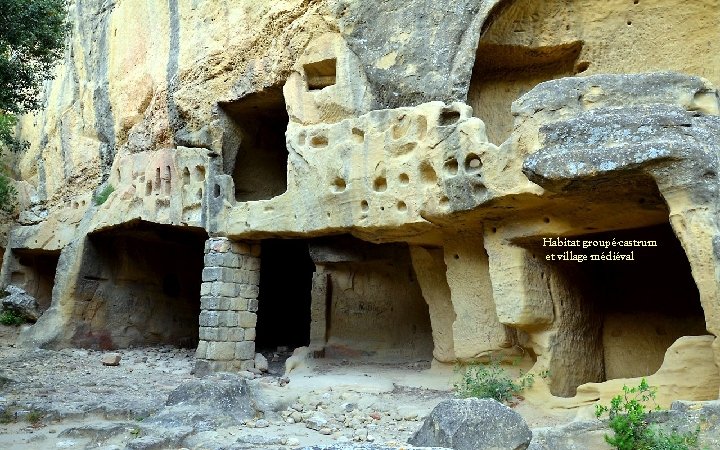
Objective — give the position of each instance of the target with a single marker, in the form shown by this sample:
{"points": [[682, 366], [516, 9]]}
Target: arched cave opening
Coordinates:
{"points": [[140, 285], [259, 151], [622, 315], [344, 298], [34, 271]]}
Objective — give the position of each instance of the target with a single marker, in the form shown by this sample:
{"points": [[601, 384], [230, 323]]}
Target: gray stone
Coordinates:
{"points": [[223, 393], [316, 422], [473, 424], [21, 303], [262, 423], [261, 363], [112, 359]]}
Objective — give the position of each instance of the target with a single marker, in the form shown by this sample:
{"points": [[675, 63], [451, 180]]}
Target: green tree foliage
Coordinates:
{"points": [[32, 33]]}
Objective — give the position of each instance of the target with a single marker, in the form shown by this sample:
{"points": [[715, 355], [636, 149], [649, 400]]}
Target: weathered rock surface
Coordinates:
{"points": [[208, 403], [473, 424], [21, 303]]}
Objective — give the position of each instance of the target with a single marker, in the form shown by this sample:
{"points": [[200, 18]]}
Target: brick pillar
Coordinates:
{"points": [[228, 304]]}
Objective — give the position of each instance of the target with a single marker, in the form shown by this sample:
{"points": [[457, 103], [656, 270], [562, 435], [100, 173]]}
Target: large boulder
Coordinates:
{"points": [[208, 403], [473, 424], [22, 303]]}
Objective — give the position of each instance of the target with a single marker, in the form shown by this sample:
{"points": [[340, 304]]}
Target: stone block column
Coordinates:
{"points": [[228, 304]]}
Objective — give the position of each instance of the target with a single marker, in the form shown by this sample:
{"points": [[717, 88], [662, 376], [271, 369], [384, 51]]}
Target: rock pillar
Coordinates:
{"points": [[228, 304]]}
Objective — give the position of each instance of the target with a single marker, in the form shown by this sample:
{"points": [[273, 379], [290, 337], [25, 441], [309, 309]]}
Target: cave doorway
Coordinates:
{"points": [[140, 285], [627, 313], [367, 303], [34, 271], [286, 273]]}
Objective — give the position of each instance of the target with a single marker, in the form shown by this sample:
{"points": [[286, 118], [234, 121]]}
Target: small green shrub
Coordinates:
{"points": [[11, 318], [103, 195], [7, 417], [491, 381], [34, 417], [628, 413], [8, 194]]}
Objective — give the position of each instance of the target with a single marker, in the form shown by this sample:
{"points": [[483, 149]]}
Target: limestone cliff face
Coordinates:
{"points": [[141, 75], [145, 75], [468, 131]]}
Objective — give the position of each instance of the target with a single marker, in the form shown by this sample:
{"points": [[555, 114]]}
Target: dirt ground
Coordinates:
{"points": [[67, 399]]}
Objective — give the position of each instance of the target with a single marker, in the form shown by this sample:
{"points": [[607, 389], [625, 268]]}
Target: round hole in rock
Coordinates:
{"points": [[199, 173], [448, 117], [427, 173], [404, 178], [216, 190], [402, 206], [338, 185], [364, 206], [582, 66], [319, 141], [186, 175], [380, 184], [358, 135], [472, 163], [451, 167]]}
